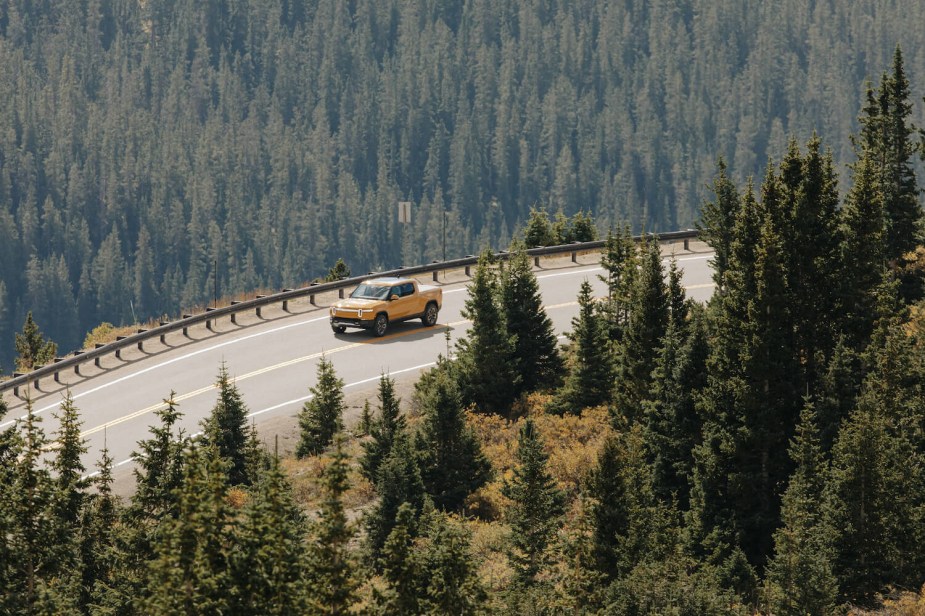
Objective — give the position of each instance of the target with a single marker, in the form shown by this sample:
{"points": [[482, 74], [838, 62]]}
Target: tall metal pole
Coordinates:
{"points": [[444, 245], [215, 283]]}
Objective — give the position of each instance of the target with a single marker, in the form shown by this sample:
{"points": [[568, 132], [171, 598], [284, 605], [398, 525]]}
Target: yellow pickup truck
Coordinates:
{"points": [[380, 301]]}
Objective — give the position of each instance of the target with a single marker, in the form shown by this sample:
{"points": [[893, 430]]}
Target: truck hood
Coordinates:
{"points": [[355, 303]]}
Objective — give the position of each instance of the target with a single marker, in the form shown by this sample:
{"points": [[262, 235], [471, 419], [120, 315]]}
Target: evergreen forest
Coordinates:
{"points": [[154, 153], [763, 453]]}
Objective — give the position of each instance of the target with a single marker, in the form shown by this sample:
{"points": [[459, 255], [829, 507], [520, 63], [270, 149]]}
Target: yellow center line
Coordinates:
{"points": [[298, 360], [249, 375]]}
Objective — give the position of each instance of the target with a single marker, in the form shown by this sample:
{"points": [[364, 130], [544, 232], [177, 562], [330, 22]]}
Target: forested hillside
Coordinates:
{"points": [[150, 147]]}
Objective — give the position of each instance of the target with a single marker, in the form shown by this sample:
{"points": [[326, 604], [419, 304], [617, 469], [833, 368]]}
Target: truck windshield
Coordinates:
{"points": [[370, 291]]}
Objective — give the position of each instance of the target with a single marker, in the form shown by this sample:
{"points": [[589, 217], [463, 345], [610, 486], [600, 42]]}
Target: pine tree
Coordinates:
{"points": [[536, 509], [582, 582], [366, 420], [801, 571], [875, 500], [340, 271], [590, 378], [678, 306], [226, 429], [99, 528], [400, 568], [256, 458], [642, 338], [67, 466], [385, 430], [534, 349], [448, 569], [191, 571], [159, 470], [488, 378], [805, 218], [33, 531], [866, 476], [69, 493], [331, 576], [750, 403], [322, 416], [620, 259], [629, 524], [862, 253], [451, 459], [33, 349], [608, 508], [269, 567], [582, 227], [672, 423], [10, 448], [717, 221], [538, 231], [398, 481], [838, 391], [895, 150]]}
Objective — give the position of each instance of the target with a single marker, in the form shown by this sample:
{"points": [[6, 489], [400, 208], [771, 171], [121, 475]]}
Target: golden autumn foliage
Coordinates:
{"points": [[572, 442]]}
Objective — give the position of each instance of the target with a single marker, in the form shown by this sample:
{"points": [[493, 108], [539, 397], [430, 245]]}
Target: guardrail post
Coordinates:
{"points": [[234, 317], [209, 321], [259, 315], [311, 298], [536, 261], [286, 301], [574, 256], [96, 361], [340, 293], [687, 244], [35, 385], [119, 351], [16, 392]]}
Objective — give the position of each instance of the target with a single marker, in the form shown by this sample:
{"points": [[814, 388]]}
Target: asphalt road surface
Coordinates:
{"points": [[273, 359]]}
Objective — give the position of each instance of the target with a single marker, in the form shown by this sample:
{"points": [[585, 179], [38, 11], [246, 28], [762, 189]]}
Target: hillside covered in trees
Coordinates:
{"points": [[760, 454], [149, 148]]}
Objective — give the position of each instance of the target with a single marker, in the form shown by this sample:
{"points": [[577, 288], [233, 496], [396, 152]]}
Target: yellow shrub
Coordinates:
{"points": [[101, 334], [906, 604], [572, 442], [237, 497]]}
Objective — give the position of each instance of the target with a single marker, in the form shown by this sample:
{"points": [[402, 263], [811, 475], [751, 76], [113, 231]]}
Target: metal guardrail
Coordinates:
{"points": [[211, 314]]}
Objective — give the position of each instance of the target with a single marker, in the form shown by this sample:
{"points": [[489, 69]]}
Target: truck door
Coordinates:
{"points": [[404, 306]]}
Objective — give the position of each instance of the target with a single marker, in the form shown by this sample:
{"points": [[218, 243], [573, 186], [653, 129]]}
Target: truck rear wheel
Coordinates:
{"points": [[381, 325], [430, 315]]}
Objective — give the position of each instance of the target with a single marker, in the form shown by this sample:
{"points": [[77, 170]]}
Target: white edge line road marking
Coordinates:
{"points": [[573, 272], [296, 401]]}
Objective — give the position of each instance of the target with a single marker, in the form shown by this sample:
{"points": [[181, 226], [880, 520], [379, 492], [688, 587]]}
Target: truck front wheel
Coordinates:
{"points": [[430, 315], [381, 325]]}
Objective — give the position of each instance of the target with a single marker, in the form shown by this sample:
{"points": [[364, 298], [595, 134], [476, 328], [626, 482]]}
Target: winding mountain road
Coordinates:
{"points": [[273, 359]]}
